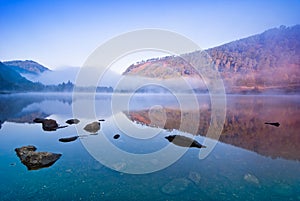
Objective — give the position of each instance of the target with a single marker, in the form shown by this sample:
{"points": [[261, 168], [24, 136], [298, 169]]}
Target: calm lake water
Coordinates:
{"points": [[251, 160]]}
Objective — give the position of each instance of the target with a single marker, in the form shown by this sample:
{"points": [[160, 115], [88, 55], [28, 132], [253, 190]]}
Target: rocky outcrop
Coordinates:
{"points": [[35, 160]]}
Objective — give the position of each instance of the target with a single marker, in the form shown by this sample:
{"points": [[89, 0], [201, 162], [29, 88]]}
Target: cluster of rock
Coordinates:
{"points": [[35, 160]]}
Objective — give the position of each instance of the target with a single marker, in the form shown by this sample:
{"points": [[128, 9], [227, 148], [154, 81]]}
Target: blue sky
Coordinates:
{"points": [[60, 33]]}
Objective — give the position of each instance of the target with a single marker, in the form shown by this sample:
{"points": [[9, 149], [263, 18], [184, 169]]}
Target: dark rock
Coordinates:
{"points": [[35, 160], [72, 121], [116, 136], [101, 120], [184, 141], [68, 139], [38, 120], [277, 124], [49, 125], [92, 127]]}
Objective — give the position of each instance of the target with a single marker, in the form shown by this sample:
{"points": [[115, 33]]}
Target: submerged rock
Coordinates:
{"points": [[251, 179], [72, 121], [119, 166], [92, 127], [68, 139], [35, 160], [184, 141], [176, 186], [116, 136], [195, 177]]}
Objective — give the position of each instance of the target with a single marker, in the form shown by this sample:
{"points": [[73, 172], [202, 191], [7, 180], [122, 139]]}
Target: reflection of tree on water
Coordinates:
{"points": [[244, 126], [12, 107]]}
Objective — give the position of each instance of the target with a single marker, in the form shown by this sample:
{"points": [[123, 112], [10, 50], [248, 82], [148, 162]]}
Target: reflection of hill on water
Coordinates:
{"points": [[244, 125], [12, 106]]}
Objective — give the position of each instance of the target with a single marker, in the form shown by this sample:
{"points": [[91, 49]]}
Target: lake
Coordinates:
{"points": [[250, 160]]}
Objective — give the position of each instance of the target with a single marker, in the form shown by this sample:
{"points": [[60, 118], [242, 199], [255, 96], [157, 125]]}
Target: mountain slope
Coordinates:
{"points": [[12, 81], [265, 62], [26, 67]]}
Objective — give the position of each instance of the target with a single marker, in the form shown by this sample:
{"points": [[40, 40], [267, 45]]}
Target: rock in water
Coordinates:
{"points": [[184, 141], [195, 177], [35, 160], [93, 127], [49, 125], [176, 186], [116, 136], [72, 121], [251, 179], [277, 124], [68, 139]]}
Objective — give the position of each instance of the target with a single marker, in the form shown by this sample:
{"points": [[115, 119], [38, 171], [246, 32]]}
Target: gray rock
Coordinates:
{"points": [[93, 127], [176, 186], [35, 160]]}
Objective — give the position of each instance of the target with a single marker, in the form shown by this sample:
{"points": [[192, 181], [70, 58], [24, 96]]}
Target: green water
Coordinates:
{"points": [[77, 175]]}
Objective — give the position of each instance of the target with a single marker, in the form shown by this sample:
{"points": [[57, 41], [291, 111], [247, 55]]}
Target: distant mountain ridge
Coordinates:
{"points": [[26, 67], [12, 81], [269, 61]]}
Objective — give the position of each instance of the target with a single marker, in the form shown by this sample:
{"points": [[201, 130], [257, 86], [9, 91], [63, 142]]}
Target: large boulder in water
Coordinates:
{"points": [[35, 160], [93, 127], [48, 124]]}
